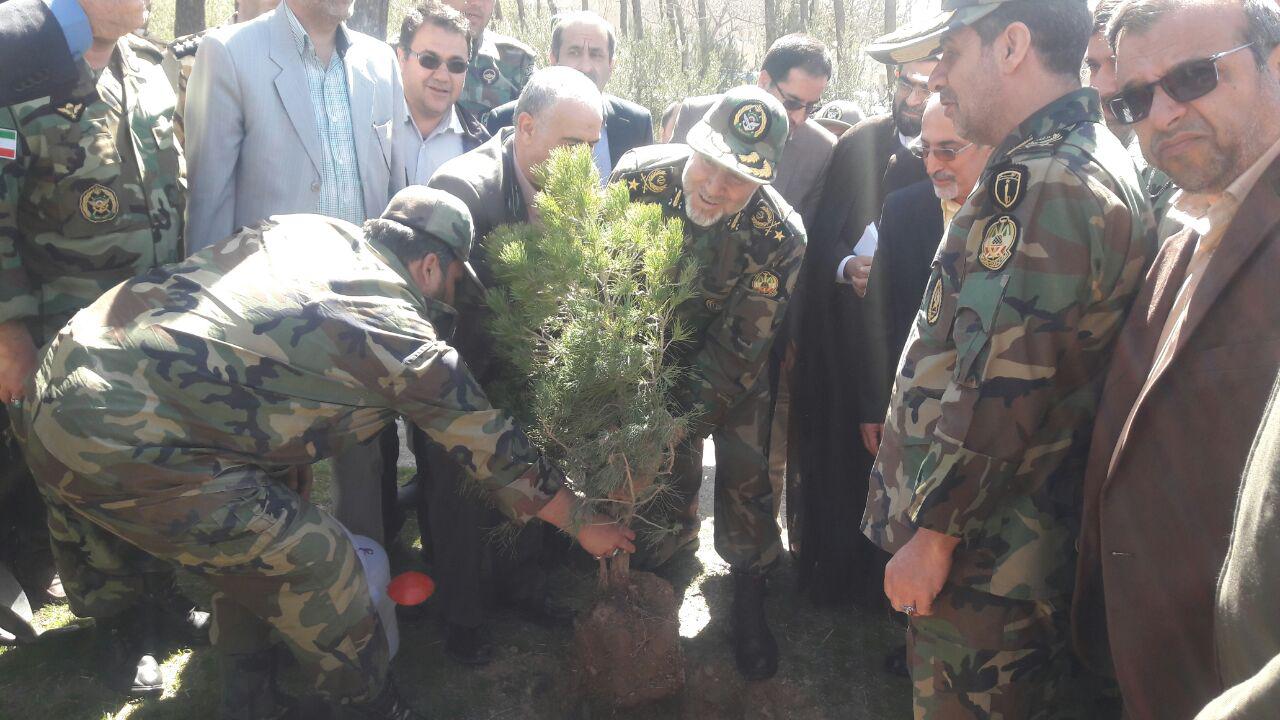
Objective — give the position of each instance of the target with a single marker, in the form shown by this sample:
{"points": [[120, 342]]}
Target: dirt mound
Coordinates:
{"points": [[626, 647]]}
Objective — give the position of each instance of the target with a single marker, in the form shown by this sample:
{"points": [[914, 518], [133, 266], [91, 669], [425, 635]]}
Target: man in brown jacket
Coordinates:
{"points": [[1200, 83]]}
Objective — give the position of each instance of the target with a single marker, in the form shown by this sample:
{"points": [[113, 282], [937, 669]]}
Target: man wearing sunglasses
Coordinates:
{"points": [[974, 489], [1100, 61], [435, 43], [1199, 82]]}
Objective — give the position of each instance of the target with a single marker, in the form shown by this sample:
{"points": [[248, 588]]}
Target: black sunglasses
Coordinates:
{"points": [[944, 154], [1186, 82], [431, 61], [792, 103]]}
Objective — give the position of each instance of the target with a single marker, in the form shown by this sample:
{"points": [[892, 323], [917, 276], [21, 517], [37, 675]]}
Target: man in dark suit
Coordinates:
{"points": [[1196, 358], [796, 70], [558, 107], [586, 42], [911, 225], [41, 41], [870, 161]]}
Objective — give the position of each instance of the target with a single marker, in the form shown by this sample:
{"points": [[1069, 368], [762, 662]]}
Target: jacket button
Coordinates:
{"points": [[315, 186]]}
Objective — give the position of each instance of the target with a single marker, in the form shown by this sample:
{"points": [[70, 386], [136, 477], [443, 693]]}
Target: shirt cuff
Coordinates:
{"points": [[840, 278], [74, 23]]}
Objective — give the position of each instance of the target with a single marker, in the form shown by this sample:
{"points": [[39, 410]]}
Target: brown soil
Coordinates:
{"points": [[626, 647]]}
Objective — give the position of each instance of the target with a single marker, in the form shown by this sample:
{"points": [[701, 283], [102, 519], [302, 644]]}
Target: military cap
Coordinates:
{"points": [[924, 39], [838, 116], [745, 132], [438, 214]]}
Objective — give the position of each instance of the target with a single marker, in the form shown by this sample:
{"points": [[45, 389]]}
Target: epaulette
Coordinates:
{"points": [[768, 219], [651, 183], [512, 50], [187, 45], [146, 47]]}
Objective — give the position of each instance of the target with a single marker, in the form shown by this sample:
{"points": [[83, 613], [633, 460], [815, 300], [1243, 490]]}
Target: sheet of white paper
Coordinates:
{"points": [[867, 244]]}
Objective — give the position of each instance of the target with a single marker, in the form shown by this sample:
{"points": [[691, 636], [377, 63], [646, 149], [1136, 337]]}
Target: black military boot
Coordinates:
{"points": [[249, 687], [388, 705], [132, 644], [754, 648]]}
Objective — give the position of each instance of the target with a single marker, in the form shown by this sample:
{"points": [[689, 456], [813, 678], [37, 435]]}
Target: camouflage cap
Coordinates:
{"points": [[924, 39], [745, 132], [438, 214], [838, 116]]}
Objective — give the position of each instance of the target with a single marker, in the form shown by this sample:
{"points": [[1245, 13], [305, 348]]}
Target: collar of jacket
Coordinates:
{"points": [[1060, 116], [442, 316]]}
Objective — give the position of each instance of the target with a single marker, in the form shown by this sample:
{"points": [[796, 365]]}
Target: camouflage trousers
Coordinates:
{"points": [[747, 494], [276, 561], [985, 657]]}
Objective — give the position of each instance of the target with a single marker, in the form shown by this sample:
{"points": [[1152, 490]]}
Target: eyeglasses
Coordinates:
{"points": [[1186, 82], [944, 154], [431, 61], [792, 103], [912, 86]]}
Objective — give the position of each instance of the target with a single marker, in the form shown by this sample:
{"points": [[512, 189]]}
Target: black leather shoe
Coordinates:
{"points": [[544, 612], [388, 705], [754, 647], [468, 645], [131, 647]]}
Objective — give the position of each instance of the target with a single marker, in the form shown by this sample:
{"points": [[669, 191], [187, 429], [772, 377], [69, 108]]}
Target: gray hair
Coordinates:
{"points": [[550, 86], [580, 17], [1262, 21]]}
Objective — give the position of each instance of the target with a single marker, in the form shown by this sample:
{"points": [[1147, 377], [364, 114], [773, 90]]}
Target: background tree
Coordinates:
{"points": [[188, 17], [370, 17]]}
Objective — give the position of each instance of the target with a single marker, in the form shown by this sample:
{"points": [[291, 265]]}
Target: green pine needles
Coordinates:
{"points": [[585, 313]]}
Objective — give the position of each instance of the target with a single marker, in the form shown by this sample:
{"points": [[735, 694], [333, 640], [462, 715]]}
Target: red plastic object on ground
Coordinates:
{"points": [[411, 588]]}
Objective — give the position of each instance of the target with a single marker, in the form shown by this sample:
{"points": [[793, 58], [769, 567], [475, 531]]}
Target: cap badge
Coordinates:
{"points": [[751, 121]]}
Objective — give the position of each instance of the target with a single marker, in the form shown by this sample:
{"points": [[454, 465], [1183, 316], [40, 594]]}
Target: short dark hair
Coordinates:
{"points": [[406, 244], [439, 15], [797, 50], [571, 17], [1060, 30], [1102, 14], [1262, 22]]}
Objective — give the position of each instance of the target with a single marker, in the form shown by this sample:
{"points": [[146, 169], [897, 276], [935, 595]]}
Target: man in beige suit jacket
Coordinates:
{"points": [[1198, 353]]}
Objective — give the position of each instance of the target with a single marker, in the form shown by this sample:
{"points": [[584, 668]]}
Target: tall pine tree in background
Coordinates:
{"points": [[585, 317]]}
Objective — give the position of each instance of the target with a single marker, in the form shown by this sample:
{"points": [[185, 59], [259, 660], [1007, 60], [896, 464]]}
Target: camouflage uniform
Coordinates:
{"points": [[167, 412], [498, 72], [94, 194], [749, 262], [991, 412]]}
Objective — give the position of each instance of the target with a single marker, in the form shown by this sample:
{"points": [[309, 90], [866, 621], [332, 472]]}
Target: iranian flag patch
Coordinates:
{"points": [[8, 144]]}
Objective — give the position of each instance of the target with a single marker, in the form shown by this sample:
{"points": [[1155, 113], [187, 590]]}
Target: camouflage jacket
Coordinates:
{"points": [[750, 263], [996, 392], [92, 191], [281, 345], [498, 72]]}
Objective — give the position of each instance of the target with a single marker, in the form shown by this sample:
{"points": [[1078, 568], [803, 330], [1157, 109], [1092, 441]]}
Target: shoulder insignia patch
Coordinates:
{"points": [[714, 305], [832, 113], [99, 204], [766, 283], [656, 182], [1008, 185], [489, 76], [71, 110], [998, 242], [933, 310], [764, 218]]}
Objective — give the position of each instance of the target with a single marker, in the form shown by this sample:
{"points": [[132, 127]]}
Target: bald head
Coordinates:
{"points": [[559, 107]]}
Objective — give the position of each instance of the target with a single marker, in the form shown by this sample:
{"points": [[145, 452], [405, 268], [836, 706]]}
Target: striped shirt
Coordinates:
{"points": [[341, 194]]}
